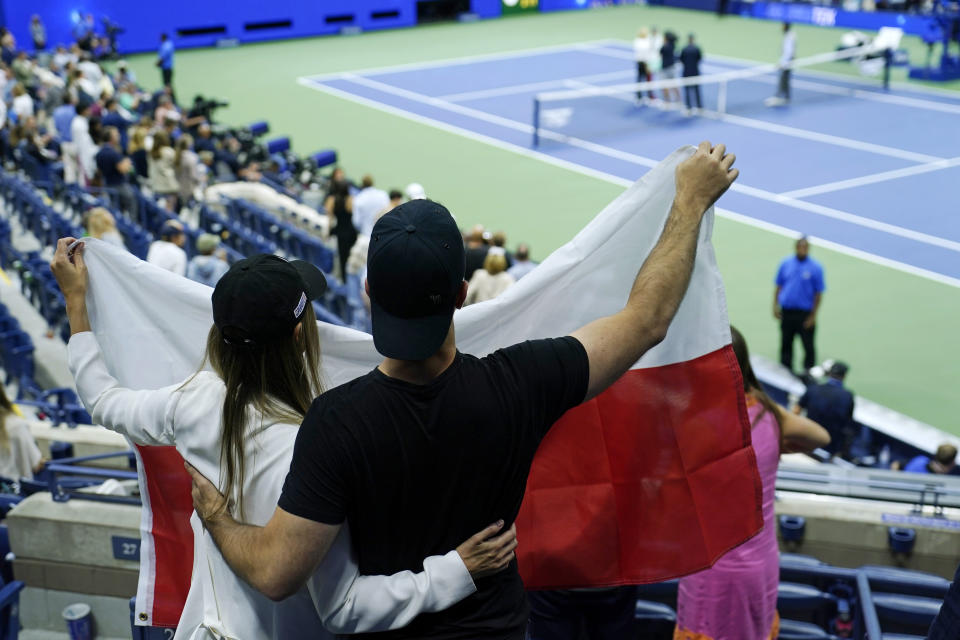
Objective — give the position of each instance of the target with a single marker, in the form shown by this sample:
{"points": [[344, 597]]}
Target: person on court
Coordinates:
{"points": [[433, 440]]}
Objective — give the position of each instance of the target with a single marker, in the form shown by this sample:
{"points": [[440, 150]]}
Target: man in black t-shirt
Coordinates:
{"points": [[434, 442], [114, 168]]}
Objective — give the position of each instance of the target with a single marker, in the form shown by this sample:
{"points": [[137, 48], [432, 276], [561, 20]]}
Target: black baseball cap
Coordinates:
{"points": [[415, 267], [262, 298], [839, 369]]}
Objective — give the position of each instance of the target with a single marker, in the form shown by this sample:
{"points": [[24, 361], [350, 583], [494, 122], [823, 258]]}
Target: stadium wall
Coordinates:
{"points": [[203, 24]]}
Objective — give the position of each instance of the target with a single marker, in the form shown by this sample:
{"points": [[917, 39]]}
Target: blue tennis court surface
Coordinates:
{"points": [[873, 173]]}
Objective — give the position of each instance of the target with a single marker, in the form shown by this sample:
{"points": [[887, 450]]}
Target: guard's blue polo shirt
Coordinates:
{"points": [[800, 282], [166, 55]]}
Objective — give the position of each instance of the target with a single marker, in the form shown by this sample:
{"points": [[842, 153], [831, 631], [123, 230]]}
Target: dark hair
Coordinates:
{"points": [[750, 383], [278, 379], [523, 252], [106, 134], [946, 454], [395, 194]]}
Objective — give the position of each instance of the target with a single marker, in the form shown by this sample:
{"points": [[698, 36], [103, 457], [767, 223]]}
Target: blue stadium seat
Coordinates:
{"points": [[259, 127], [801, 601], [278, 145], [906, 614], [906, 582], [10, 610], [665, 592], [901, 636], [649, 612], [796, 630]]}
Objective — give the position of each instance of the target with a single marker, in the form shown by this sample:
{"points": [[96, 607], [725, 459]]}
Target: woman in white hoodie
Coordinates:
{"points": [[237, 425]]}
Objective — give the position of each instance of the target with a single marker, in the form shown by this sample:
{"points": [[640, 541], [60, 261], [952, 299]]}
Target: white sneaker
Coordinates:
{"points": [[774, 101]]}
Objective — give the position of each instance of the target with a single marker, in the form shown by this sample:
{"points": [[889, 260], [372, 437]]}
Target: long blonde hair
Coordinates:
{"points": [[6, 410], [278, 380], [99, 222]]}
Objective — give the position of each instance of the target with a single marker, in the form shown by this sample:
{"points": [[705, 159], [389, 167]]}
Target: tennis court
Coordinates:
{"points": [[865, 171]]}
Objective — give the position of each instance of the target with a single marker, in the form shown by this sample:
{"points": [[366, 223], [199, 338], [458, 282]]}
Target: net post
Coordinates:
{"points": [[536, 121], [722, 97]]}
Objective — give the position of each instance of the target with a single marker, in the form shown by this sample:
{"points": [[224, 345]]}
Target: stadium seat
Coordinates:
{"points": [[806, 602], [278, 145], [259, 127], [906, 582], [796, 630], [10, 609], [900, 636], [665, 592], [905, 614], [655, 620], [799, 560]]}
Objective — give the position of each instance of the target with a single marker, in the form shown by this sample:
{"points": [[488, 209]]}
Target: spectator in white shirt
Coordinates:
{"points": [[86, 149], [22, 102], [19, 455], [522, 265], [491, 281], [787, 54], [167, 252], [367, 204]]}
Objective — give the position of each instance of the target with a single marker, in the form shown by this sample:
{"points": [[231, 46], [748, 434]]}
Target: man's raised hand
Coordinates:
{"points": [[703, 177]]}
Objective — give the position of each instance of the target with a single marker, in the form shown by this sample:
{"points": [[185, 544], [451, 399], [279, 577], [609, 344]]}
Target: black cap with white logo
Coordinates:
{"points": [[415, 268], [262, 298]]}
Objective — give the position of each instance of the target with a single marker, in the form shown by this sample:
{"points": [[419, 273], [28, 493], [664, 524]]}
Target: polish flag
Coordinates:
{"points": [[653, 479]]}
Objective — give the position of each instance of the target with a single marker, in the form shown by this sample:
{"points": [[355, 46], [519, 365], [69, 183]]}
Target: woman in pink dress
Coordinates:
{"points": [[736, 599]]}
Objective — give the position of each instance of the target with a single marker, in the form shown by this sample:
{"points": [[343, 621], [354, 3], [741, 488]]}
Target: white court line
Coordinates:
{"points": [[532, 86], [762, 194], [616, 180], [873, 178], [876, 96], [450, 62]]}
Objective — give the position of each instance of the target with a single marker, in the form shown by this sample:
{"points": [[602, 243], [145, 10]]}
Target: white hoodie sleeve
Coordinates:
{"points": [[350, 603], [146, 417]]}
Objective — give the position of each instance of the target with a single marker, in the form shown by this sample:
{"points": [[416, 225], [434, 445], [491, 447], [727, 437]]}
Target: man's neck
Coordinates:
{"points": [[422, 372]]}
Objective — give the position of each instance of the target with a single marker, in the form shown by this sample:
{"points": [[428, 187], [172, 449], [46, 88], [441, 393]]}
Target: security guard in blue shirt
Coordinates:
{"points": [[799, 290]]}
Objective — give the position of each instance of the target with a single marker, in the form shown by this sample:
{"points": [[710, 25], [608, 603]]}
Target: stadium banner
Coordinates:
{"points": [[653, 479]]}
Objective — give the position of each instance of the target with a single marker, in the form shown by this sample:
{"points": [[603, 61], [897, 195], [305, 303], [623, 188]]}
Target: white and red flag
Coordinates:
{"points": [[653, 479]]}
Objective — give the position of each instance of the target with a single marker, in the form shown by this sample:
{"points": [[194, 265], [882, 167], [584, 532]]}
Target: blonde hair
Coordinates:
{"points": [[99, 222], [494, 263], [643, 32], [138, 139]]}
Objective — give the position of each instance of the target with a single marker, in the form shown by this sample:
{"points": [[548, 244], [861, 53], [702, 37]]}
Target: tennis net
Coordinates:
{"points": [[593, 109]]}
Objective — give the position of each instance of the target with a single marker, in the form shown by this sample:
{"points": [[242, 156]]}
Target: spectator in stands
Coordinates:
{"points": [[644, 52], [8, 48], [84, 32], [190, 173], [205, 140], [831, 405], [101, 225], [476, 251], [800, 288], [339, 208], [165, 61], [737, 597], [415, 191], [20, 456], [209, 265], [161, 170], [138, 152], [432, 430], [114, 116], [522, 265], [787, 54], [124, 74], [491, 281], [114, 168], [22, 68], [63, 117], [499, 241], [367, 204], [167, 252], [396, 199], [83, 144], [22, 102], [238, 424], [943, 462], [690, 57], [38, 33]]}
